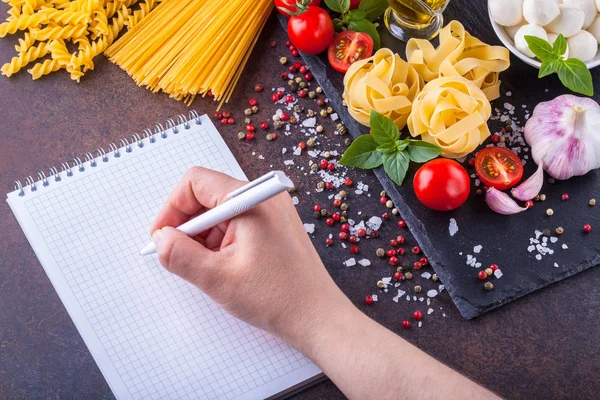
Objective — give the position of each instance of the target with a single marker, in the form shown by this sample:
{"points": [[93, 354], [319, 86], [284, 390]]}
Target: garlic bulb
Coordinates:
{"points": [[564, 136]]}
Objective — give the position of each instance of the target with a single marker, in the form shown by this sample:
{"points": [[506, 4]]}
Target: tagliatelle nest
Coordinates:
{"points": [[452, 113], [384, 83], [460, 54]]}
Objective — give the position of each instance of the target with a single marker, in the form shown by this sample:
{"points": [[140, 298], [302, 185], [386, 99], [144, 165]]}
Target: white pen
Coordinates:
{"points": [[240, 201]]}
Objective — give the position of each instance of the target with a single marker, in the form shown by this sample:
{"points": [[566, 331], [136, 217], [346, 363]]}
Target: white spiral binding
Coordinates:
{"points": [[125, 146]]}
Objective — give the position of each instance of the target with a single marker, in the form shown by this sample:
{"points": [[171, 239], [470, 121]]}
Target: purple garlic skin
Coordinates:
{"points": [[564, 136]]}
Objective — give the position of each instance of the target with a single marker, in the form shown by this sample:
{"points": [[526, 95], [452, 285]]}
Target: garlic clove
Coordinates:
{"points": [[589, 9], [552, 38], [506, 12], [501, 203], [531, 187], [583, 46], [540, 12], [594, 29], [563, 135], [569, 22], [528, 30]]}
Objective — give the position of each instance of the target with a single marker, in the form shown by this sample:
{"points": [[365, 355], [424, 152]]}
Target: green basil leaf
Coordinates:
{"points": [[362, 25], [384, 130], [548, 68], [373, 8], [396, 166], [338, 24], [540, 48], [340, 6], [386, 149], [355, 15], [362, 153], [402, 144], [573, 73], [560, 45], [420, 151]]}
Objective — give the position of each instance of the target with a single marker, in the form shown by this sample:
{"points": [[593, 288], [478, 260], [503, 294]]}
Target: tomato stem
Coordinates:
{"points": [[301, 7]]}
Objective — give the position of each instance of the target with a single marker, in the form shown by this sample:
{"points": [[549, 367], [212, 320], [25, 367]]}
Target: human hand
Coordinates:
{"points": [[260, 267]]}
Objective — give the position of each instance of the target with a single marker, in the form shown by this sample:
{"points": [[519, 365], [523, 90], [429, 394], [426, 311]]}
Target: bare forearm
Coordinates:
{"points": [[365, 360]]}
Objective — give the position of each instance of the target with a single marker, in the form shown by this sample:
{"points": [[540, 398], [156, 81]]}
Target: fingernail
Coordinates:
{"points": [[157, 237]]}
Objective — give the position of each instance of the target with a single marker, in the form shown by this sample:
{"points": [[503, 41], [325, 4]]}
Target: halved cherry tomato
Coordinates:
{"points": [[312, 31], [498, 167], [349, 47], [442, 184], [291, 6]]}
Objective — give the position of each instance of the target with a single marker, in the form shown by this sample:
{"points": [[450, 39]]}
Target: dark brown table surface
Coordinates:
{"points": [[543, 346]]}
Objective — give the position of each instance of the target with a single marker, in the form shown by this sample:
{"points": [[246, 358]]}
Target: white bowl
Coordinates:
{"points": [[508, 42]]}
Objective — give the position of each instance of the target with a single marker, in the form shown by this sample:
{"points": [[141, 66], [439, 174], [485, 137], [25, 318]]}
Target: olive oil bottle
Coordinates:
{"points": [[421, 19]]}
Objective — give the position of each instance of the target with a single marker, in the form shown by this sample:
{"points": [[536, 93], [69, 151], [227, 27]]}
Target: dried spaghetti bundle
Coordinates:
{"points": [[188, 47]]}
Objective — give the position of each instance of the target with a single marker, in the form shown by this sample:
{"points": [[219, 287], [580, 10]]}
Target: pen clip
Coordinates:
{"points": [[252, 184]]}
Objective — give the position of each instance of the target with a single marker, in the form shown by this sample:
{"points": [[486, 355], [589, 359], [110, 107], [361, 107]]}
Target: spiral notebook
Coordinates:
{"points": [[153, 335]]}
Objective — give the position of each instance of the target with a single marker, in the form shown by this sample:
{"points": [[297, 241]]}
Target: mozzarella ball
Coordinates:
{"points": [[506, 12], [569, 22], [594, 29], [540, 12], [528, 30], [583, 46], [511, 30], [589, 10], [552, 38]]}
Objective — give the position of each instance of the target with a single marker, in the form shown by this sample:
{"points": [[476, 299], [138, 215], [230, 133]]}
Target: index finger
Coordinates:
{"points": [[199, 189]]}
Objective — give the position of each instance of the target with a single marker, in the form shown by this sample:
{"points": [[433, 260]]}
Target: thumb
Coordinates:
{"points": [[187, 258]]}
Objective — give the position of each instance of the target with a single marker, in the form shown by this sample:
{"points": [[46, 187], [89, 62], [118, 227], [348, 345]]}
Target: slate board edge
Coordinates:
{"points": [[466, 309]]}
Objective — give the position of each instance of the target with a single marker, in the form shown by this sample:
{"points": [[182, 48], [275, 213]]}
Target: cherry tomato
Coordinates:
{"points": [[498, 167], [354, 4], [347, 48], [312, 31], [290, 5], [442, 184]]}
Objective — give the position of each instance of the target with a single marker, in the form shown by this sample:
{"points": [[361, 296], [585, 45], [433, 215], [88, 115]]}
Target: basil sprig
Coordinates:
{"points": [[573, 73], [360, 19], [384, 147]]}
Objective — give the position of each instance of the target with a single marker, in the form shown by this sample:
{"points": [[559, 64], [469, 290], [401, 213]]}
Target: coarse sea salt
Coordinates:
{"points": [[375, 298], [453, 227], [400, 294], [364, 262], [429, 311], [498, 273], [351, 262], [432, 293], [477, 249], [426, 275], [309, 228], [295, 200]]}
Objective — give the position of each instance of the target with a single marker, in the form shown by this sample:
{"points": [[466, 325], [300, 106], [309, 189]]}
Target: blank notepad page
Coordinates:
{"points": [[153, 335]]}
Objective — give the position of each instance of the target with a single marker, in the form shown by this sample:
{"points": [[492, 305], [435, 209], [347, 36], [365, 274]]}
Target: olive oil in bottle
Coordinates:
{"points": [[422, 19]]}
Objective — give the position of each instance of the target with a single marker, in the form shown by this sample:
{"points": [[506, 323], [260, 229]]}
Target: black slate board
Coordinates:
{"points": [[505, 240]]}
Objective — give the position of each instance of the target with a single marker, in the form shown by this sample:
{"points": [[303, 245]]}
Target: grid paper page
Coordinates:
{"points": [[153, 335]]}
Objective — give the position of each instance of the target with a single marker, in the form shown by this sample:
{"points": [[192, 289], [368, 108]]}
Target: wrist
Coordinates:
{"points": [[329, 315]]}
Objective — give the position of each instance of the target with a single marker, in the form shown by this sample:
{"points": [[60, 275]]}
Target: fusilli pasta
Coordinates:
{"points": [[53, 27]]}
